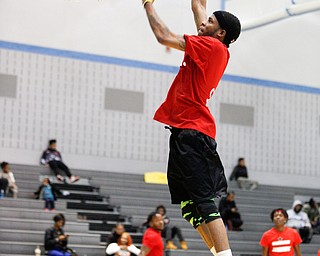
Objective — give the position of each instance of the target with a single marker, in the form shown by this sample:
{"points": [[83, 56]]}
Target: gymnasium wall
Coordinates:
{"points": [[47, 93], [91, 74], [285, 51]]}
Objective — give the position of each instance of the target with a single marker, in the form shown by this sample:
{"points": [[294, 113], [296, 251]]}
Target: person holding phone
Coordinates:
{"points": [[56, 240]]}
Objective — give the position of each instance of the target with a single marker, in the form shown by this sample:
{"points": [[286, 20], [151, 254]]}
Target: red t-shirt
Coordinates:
{"points": [[204, 63], [153, 240], [280, 243]]}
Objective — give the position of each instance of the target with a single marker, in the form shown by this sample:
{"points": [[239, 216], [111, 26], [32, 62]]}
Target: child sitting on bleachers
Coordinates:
{"points": [[48, 192], [7, 174]]}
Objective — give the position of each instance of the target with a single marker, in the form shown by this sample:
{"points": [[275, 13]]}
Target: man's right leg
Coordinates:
{"points": [[63, 167], [206, 236], [212, 231], [253, 184], [217, 232], [55, 168], [242, 182]]}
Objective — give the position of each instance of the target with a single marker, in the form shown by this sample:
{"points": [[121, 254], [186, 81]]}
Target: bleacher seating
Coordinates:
{"points": [[100, 199]]}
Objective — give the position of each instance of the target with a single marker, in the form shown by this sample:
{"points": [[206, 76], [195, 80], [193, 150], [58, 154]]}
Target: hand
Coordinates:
{"points": [[63, 237], [147, 1], [123, 247]]}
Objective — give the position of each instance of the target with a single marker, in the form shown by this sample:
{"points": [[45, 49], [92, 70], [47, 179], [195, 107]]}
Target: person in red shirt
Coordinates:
{"points": [[152, 243], [195, 172], [280, 240]]}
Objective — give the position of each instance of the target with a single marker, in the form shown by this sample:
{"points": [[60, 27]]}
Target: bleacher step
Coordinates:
{"points": [[36, 236], [41, 225], [14, 247]]}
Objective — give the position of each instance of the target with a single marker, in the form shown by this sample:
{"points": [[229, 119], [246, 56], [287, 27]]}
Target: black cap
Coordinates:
{"points": [[230, 24]]}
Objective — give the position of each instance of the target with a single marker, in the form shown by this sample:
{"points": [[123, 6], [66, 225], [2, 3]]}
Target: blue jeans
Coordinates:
{"points": [[58, 253], [49, 204]]}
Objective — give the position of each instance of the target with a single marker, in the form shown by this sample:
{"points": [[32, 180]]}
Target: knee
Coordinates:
{"points": [[175, 229]]}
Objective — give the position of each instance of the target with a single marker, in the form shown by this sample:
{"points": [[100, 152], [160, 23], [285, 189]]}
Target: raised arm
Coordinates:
{"points": [[199, 11], [161, 31]]}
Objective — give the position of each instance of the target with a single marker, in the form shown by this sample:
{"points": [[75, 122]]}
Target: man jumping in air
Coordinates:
{"points": [[195, 172]]}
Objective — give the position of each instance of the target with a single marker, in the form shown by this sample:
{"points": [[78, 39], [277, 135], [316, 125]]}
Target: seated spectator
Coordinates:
{"points": [[229, 212], [299, 220], [312, 210], [52, 157], [240, 174], [169, 232], [280, 240], [123, 247], [55, 241], [7, 174], [115, 234], [3, 186], [48, 192]]}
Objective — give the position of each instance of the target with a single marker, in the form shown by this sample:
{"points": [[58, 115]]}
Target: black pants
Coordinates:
{"points": [[58, 166], [169, 233], [305, 234], [4, 184], [231, 219]]}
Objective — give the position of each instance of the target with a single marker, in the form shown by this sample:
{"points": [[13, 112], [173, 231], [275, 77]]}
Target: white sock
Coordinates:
{"points": [[213, 251], [225, 253]]}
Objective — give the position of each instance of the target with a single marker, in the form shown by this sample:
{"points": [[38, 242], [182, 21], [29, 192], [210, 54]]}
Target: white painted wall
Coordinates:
{"points": [[285, 51], [55, 100], [63, 98]]}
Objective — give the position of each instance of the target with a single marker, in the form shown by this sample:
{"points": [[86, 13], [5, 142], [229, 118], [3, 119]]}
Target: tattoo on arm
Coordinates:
{"points": [[162, 32], [197, 21], [157, 26], [182, 44]]}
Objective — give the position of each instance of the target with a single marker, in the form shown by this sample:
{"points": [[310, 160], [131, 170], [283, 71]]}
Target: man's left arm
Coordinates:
{"points": [[264, 251], [161, 31], [144, 250], [297, 249]]}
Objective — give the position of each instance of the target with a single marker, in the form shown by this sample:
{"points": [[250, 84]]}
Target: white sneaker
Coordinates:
{"points": [[74, 179]]}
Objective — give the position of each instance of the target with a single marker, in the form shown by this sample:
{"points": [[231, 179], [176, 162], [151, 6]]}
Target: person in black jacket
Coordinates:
{"points": [[52, 157], [117, 231], [240, 174], [49, 193], [229, 212], [170, 231], [55, 241]]}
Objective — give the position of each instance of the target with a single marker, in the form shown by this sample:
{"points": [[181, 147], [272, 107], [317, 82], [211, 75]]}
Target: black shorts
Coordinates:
{"points": [[195, 171]]}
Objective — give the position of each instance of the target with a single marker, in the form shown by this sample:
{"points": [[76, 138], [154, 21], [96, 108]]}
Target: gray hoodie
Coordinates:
{"points": [[297, 220]]}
